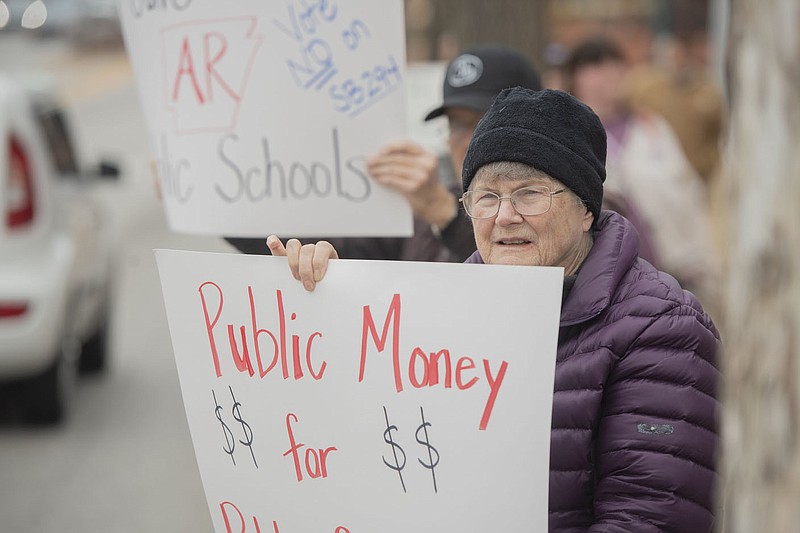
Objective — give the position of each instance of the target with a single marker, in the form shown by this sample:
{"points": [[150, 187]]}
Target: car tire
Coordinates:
{"points": [[94, 351], [49, 395]]}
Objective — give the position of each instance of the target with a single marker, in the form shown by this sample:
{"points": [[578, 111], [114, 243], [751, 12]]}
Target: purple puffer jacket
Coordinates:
{"points": [[635, 429]]}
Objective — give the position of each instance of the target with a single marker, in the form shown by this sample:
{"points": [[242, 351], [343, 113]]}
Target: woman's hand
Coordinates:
{"points": [[308, 262]]}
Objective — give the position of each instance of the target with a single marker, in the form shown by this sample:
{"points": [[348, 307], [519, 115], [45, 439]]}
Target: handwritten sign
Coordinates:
{"points": [[262, 114], [396, 397]]}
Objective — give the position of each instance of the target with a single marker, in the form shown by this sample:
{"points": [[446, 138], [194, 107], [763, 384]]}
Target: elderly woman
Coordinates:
{"points": [[634, 428]]}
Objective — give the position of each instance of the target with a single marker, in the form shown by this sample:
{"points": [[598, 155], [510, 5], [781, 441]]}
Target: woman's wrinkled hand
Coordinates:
{"points": [[308, 262]]}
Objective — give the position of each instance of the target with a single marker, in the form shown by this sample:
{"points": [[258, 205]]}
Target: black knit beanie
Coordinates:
{"points": [[549, 130]]}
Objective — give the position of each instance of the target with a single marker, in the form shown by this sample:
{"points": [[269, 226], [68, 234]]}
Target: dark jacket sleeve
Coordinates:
{"points": [[458, 237], [453, 244], [425, 245], [658, 433], [387, 248]]}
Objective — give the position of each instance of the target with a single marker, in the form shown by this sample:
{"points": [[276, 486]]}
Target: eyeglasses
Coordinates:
{"points": [[527, 201]]}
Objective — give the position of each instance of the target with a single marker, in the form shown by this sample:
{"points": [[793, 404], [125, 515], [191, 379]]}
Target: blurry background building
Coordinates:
{"points": [[672, 46], [436, 29]]}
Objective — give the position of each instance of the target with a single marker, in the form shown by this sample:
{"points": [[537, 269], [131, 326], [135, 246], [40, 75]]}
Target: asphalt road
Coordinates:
{"points": [[124, 460]]}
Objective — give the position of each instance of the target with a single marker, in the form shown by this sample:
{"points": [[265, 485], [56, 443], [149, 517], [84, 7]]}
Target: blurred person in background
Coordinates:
{"points": [[635, 429], [681, 88], [441, 231], [647, 165], [683, 91]]}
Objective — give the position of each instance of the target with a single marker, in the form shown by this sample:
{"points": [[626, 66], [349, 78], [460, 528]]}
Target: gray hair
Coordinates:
{"points": [[520, 171]]}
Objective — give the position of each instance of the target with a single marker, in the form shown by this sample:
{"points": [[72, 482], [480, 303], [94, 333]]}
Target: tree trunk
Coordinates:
{"points": [[761, 323]]}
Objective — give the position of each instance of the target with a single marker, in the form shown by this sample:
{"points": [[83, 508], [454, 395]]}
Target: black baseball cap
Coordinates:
{"points": [[478, 74]]}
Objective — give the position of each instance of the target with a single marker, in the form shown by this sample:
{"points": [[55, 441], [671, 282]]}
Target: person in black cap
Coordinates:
{"points": [[441, 231], [635, 428], [471, 82]]}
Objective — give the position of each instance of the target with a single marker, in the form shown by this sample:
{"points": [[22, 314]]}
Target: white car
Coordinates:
{"points": [[54, 255]]}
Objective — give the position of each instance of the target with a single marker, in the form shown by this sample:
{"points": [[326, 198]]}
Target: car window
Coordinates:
{"points": [[54, 124]]}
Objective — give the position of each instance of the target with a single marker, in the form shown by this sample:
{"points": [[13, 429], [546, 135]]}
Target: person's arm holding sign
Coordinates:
{"points": [[413, 171], [308, 262]]}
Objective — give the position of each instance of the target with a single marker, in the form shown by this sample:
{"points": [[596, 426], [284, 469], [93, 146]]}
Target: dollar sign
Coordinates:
{"points": [[431, 464], [387, 437], [230, 442], [246, 429]]}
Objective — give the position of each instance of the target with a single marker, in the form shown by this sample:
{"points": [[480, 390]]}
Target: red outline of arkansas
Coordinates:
{"points": [[206, 65]]}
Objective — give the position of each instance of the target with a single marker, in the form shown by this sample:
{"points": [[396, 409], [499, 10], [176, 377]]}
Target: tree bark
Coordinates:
{"points": [[761, 395]]}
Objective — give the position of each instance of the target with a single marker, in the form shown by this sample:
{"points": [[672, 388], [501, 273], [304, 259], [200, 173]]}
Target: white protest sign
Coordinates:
{"points": [[262, 113], [396, 397]]}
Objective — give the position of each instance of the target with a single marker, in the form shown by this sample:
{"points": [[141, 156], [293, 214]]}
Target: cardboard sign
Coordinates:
{"points": [[262, 113], [396, 397]]}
